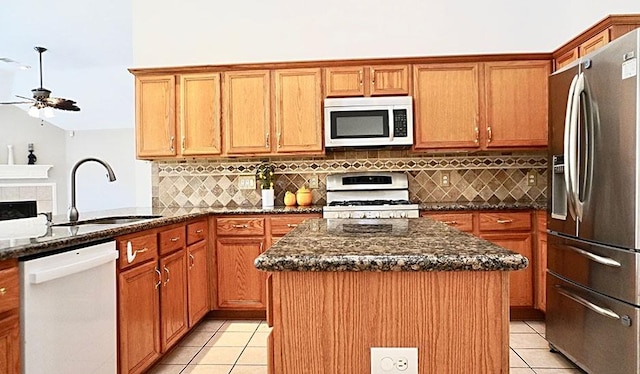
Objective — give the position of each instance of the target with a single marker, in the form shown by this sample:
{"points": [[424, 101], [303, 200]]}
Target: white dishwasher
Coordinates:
{"points": [[68, 311]]}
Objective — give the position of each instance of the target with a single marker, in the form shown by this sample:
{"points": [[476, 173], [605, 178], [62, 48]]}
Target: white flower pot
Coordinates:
{"points": [[267, 198]]}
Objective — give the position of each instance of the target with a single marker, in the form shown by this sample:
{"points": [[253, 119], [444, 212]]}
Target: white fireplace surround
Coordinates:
{"points": [[43, 193]]}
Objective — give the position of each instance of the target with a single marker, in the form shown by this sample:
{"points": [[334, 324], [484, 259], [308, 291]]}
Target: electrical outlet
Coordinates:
{"points": [[247, 182], [445, 179], [394, 360], [313, 181], [532, 178]]}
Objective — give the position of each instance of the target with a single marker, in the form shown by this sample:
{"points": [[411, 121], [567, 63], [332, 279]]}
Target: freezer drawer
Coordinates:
{"points": [[598, 333], [607, 270]]}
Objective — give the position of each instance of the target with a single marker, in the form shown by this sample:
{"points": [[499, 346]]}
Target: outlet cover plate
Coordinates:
{"points": [[313, 181], [394, 360], [532, 178], [445, 179], [247, 182]]}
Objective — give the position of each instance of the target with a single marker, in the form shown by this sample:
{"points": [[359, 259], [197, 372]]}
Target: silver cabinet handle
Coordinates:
{"points": [[174, 239], [131, 254], [261, 246], [168, 274], [595, 258], [292, 225], [477, 134], [171, 143], [360, 76], [373, 76], [605, 312], [266, 143], [454, 223], [193, 261], [200, 231], [278, 140], [489, 134], [240, 226], [504, 221], [159, 278], [183, 140]]}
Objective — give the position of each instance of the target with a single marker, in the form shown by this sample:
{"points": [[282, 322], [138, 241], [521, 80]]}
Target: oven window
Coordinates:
{"points": [[360, 124]]}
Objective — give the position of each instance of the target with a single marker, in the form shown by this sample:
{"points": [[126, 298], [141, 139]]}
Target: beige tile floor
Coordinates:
{"points": [[239, 347]]}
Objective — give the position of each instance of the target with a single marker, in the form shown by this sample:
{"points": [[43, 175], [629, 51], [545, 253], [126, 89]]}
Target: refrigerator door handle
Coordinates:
{"points": [[567, 145], [575, 113], [605, 312], [595, 258]]}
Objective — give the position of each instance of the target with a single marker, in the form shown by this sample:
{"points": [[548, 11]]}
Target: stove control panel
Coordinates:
{"points": [[372, 214]]}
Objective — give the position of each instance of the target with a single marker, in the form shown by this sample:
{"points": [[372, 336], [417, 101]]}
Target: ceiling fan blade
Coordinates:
{"points": [[17, 102], [62, 104], [26, 98]]}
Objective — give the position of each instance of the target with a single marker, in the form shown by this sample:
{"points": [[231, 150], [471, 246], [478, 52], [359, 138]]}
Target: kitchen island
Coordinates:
{"points": [[340, 287]]}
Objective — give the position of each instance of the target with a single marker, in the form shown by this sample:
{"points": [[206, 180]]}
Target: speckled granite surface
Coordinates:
{"points": [[54, 238], [418, 244], [516, 205]]}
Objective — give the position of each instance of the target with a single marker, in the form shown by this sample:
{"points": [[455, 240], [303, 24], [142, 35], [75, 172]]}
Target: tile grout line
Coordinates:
{"points": [[243, 348], [204, 345]]}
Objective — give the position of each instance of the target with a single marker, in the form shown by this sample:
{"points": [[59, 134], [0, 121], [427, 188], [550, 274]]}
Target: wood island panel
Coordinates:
{"points": [[326, 320]]}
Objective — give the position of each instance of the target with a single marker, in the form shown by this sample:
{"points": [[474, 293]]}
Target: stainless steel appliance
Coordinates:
{"points": [[368, 121], [369, 195], [593, 277]]}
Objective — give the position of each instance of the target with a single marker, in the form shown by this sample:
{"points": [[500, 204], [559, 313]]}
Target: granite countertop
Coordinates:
{"points": [[415, 244], [516, 205], [42, 239]]}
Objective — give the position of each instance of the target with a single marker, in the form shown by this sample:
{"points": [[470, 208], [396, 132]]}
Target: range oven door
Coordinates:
{"points": [[597, 332]]}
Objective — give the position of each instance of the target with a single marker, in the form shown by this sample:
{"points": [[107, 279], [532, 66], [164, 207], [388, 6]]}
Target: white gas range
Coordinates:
{"points": [[369, 195]]}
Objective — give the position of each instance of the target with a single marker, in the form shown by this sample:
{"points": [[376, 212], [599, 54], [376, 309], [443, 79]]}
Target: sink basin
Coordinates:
{"points": [[115, 220]]}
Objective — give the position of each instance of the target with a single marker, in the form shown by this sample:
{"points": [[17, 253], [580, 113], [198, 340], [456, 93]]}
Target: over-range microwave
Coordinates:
{"points": [[368, 121]]}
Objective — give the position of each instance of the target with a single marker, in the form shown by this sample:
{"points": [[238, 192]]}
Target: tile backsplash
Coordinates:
{"points": [[489, 177]]}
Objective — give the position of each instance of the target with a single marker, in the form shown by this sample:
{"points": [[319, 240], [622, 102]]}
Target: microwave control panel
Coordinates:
{"points": [[400, 123]]}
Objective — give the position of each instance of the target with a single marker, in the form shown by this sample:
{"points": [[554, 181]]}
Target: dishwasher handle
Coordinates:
{"points": [[45, 275]]}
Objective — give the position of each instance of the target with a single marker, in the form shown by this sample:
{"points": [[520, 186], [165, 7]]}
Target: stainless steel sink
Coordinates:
{"points": [[115, 220]]}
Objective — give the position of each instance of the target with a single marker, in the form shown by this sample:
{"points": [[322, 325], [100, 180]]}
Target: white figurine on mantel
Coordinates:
{"points": [[10, 154]]}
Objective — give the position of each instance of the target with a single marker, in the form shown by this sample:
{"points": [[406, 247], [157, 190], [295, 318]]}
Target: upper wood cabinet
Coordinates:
{"points": [[298, 110], [247, 112], [516, 103], [196, 131], [297, 119], [481, 105], [155, 116], [446, 105], [595, 42], [566, 58], [367, 80]]}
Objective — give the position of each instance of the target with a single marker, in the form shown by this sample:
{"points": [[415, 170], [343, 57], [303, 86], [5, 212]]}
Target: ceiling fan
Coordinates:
{"points": [[42, 100]]}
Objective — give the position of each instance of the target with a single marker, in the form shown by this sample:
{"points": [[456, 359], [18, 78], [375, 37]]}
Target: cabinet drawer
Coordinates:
{"points": [[461, 221], [196, 231], [9, 289], [136, 250], [171, 240], [240, 226], [498, 221], [282, 225]]}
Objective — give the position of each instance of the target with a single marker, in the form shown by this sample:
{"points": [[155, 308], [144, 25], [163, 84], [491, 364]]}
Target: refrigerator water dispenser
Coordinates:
{"points": [[558, 189]]}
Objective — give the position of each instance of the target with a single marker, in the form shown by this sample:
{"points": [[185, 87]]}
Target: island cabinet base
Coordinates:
{"points": [[326, 322]]}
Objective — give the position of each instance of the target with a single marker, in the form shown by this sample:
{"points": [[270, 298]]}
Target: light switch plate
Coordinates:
{"points": [[394, 360]]}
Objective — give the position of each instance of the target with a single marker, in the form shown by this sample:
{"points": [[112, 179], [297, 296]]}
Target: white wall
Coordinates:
{"points": [[203, 32], [117, 148], [18, 129]]}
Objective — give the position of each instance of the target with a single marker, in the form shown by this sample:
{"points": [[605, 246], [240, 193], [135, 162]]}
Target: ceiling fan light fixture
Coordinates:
{"points": [[48, 112], [34, 111]]}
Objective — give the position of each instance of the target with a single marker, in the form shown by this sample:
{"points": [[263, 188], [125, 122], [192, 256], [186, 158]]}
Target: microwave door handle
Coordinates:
{"points": [[573, 148], [567, 141]]}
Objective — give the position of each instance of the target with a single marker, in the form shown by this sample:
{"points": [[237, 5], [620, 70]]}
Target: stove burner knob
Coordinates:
{"points": [[403, 214], [357, 215], [373, 214], [344, 215]]}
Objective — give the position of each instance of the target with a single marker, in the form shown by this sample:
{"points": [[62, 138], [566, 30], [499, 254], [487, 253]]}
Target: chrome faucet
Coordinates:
{"points": [[73, 211]]}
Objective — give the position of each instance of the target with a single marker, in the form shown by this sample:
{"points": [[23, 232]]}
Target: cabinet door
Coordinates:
{"points": [[566, 58], [516, 99], [197, 282], [240, 284], [389, 80], [447, 106], [10, 345], [459, 220], [521, 281], [247, 114], [155, 116], [298, 116], [344, 81], [200, 114], [174, 317], [599, 40], [138, 316]]}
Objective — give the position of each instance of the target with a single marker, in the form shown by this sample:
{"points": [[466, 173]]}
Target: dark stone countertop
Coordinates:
{"points": [[43, 239], [415, 244], [516, 205]]}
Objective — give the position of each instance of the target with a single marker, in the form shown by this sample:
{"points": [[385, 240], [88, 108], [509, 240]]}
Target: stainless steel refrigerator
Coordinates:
{"points": [[593, 279]]}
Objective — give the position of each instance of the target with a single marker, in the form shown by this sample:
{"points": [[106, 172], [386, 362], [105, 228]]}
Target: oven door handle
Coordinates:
{"points": [[605, 312], [595, 258]]}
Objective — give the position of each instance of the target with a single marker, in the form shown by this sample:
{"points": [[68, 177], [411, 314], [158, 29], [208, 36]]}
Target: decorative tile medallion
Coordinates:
{"points": [[490, 178]]}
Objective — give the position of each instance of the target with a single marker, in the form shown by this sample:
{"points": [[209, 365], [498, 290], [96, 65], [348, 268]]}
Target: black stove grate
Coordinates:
{"points": [[369, 202]]}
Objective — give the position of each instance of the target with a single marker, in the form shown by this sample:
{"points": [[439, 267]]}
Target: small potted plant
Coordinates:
{"points": [[265, 176]]}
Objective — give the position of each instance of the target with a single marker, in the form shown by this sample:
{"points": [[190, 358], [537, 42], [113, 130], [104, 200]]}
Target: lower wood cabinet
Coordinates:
{"points": [[9, 318], [197, 281], [174, 316], [240, 285]]}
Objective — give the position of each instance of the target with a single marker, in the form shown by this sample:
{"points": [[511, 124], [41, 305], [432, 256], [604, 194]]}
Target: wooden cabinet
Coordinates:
{"points": [[174, 317], [155, 116], [481, 105], [239, 240], [197, 271], [282, 224], [516, 103], [566, 58], [159, 133], [446, 105], [247, 114], [367, 80], [595, 42], [9, 318], [298, 114], [463, 221]]}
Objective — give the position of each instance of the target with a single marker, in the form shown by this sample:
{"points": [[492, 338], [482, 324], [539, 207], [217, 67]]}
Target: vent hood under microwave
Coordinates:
{"points": [[368, 121]]}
